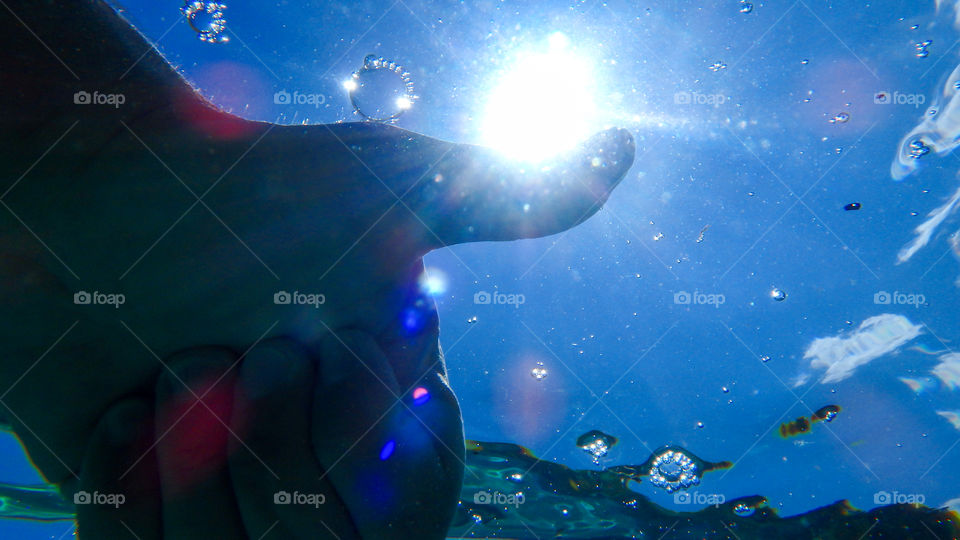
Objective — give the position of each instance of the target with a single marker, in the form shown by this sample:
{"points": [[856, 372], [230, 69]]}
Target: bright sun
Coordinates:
{"points": [[542, 105]]}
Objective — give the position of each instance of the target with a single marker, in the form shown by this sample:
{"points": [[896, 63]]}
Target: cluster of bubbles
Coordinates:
{"points": [[539, 372], [922, 48], [717, 66], [597, 444], [840, 118], [206, 19], [918, 149], [373, 63], [743, 510], [673, 470]]}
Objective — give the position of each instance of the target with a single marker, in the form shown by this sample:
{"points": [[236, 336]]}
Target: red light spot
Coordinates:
{"points": [[420, 395]]}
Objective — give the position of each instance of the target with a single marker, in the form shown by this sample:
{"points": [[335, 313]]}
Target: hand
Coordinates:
{"points": [[199, 218], [242, 461]]}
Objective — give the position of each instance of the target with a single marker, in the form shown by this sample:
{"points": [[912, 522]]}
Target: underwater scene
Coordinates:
{"points": [[745, 322]]}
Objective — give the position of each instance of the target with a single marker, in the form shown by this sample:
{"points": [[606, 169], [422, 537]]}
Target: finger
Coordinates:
{"points": [[437, 410], [281, 489], [478, 195], [380, 458], [198, 499], [420, 369], [119, 489]]}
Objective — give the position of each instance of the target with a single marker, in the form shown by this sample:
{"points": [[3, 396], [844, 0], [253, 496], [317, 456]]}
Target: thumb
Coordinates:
{"points": [[478, 195]]}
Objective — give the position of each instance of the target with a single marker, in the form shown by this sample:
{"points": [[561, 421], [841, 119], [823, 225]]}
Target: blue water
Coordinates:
{"points": [[768, 173]]}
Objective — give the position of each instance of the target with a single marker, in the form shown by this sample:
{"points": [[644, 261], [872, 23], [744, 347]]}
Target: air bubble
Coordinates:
{"points": [[389, 109], [918, 149], [596, 443], [206, 19], [673, 470], [746, 7], [840, 118], [778, 294], [539, 373]]}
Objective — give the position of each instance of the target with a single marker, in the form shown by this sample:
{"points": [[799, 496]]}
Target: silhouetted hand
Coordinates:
{"points": [[173, 468], [205, 223]]}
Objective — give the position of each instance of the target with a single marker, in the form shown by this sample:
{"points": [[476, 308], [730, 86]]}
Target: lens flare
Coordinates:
{"points": [[433, 281], [387, 450], [420, 395]]}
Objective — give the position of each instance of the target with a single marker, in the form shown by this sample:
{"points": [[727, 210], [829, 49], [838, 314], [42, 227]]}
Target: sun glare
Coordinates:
{"points": [[542, 105]]}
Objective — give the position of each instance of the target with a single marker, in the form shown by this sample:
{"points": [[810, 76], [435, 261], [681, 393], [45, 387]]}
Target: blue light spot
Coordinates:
{"points": [[411, 320], [387, 450]]}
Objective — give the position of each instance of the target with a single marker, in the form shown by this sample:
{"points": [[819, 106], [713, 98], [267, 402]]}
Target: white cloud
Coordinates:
{"points": [[952, 416], [919, 385], [800, 380], [875, 337], [956, 10], [926, 229], [948, 370]]}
